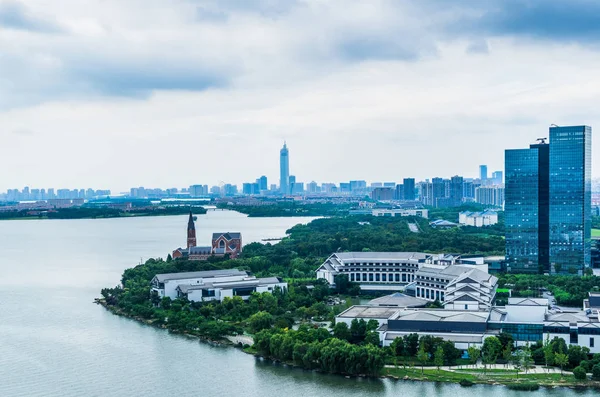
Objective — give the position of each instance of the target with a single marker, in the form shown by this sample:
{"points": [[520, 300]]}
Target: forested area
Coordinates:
{"points": [[289, 208], [85, 212]]}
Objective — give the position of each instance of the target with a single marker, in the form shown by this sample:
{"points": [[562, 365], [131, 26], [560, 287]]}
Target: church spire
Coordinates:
{"points": [[191, 232]]}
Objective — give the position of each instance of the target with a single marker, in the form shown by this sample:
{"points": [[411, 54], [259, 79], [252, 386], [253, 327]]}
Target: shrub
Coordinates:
{"points": [[596, 372], [466, 383], [530, 386], [579, 373]]}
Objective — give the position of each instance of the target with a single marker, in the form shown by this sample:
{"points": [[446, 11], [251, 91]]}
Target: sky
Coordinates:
{"points": [[112, 94]]}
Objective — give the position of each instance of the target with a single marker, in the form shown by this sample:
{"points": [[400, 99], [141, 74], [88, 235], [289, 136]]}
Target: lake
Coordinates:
{"points": [[54, 341]]}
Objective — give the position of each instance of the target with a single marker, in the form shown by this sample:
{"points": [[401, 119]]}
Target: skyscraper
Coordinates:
{"points": [[497, 177], [570, 198], [284, 170], [548, 203], [409, 188], [483, 174]]}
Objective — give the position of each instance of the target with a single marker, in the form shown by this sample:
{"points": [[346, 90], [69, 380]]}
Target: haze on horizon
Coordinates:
{"points": [[169, 93]]}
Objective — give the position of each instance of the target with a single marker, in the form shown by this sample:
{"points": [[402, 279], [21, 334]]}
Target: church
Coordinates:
{"points": [[222, 244]]}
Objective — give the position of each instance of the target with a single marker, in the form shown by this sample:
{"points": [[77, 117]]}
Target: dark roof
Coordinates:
{"points": [[203, 274], [200, 250], [191, 225], [227, 235]]}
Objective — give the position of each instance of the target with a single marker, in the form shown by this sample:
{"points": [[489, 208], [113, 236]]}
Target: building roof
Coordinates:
{"points": [[227, 235], [575, 317], [368, 312], [204, 274], [398, 300], [441, 315], [253, 282], [453, 337], [528, 301], [349, 256], [442, 222], [200, 250]]}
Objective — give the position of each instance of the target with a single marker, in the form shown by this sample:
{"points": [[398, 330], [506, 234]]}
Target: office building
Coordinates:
{"points": [[399, 192], [409, 189], [490, 195], [570, 198], [284, 170], [483, 174], [382, 194], [262, 183], [497, 178], [548, 204]]}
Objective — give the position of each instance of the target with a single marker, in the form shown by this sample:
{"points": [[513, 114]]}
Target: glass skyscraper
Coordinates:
{"points": [[570, 198], [548, 204], [284, 170]]}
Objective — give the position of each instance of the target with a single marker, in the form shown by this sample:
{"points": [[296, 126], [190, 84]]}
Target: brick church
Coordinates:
{"points": [[222, 244]]}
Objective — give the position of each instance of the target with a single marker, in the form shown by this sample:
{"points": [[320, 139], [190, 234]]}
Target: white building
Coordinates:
{"points": [[384, 270], [212, 284], [478, 219], [490, 195], [219, 290], [422, 213], [457, 287]]}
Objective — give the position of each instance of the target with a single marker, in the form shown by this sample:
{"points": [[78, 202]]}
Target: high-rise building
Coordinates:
{"points": [[570, 198], [490, 195], [548, 203], [399, 192], [409, 189], [284, 170], [456, 191], [483, 174], [262, 183], [497, 178]]}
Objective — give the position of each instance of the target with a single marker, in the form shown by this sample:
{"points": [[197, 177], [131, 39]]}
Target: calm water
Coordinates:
{"points": [[55, 342]]}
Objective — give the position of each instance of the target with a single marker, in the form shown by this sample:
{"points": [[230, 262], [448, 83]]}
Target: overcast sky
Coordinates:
{"points": [[169, 93]]}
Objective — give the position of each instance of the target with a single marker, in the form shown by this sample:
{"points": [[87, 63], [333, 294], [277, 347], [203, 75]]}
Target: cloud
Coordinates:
{"points": [[15, 15]]}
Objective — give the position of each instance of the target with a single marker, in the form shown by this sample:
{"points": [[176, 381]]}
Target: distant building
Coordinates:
{"points": [[483, 174], [497, 178], [490, 195], [409, 189], [442, 224], [227, 244], [382, 194], [422, 213], [478, 219], [284, 170]]}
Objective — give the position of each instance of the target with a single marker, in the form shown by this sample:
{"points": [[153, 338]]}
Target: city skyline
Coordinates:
{"points": [[99, 95]]}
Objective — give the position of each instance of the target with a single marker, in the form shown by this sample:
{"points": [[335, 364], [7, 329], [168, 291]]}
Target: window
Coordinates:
{"points": [[371, 276], [383, 277], [376, 277], [591, 342], [221, 244], [466, 307]]}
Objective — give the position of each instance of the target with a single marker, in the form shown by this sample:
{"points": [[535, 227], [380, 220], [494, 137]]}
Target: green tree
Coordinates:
{"points": [[422, 357], [341, 331], [561, 360], [548, 353], [398, 347], [579, 373], [596, 372], [474, 352], [411, 344], [507, 354], [527, 360], [259, 321], [372, 338], [491, 350], [438, 357]]}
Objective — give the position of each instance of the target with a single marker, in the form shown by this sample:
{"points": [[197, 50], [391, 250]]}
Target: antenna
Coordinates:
{"points": [[541, 141]]}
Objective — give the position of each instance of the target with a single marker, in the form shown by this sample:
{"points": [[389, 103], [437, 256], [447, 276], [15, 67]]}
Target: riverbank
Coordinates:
{"points": [[97, 213], [464, 376]]}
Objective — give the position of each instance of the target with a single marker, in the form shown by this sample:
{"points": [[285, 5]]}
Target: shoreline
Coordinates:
{"points": [[415, 372]]}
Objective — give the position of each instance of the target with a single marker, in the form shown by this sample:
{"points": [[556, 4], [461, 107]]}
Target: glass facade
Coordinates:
{"points": [[522, 210], [570, 198], [524, 332]]}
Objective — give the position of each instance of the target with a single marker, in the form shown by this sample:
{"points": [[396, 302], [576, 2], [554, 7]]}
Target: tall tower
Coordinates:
{"points": [[284, 170], [483, 174], [191, 232]]}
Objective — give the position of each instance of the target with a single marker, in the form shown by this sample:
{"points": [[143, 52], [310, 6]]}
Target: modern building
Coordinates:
{"points": [[382, 194], [478, 219], [497, 178], [421, 212], [548, 204], [386, 271], [490, 195], [409, 189], [212, 285], [284, 170], [527, 320], [483, 174], [456, 287], [570, 198]]}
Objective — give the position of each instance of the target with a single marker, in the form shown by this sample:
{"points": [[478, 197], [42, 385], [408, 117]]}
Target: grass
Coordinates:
{"points": [[595, 232], [488, 371], [505, 378]]}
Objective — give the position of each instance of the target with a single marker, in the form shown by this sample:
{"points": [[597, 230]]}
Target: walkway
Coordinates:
{"points": [[414, 227], [478, 367]]}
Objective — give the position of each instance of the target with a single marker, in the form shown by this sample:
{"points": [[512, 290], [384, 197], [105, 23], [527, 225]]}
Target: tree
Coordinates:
{"points": [[259, 321], [579, 373], [548, 353], [474, 353], [506, 340], [491, 350], [341, 331], [438, 357], [398, 347], [507, 354], [169, 258], [517, 361], [372, 338], [596, 372], [422, 356], [577, 354], [411, 343], [526, 359], [561, 360]]}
